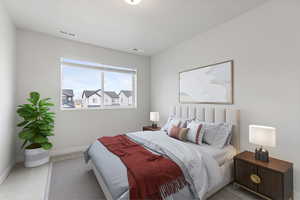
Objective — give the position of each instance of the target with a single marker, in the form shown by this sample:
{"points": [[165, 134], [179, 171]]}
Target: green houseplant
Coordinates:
{"points": [[37, 126]]}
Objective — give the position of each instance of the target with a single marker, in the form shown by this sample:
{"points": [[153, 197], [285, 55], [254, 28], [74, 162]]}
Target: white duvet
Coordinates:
{"points": [[200, 168]]}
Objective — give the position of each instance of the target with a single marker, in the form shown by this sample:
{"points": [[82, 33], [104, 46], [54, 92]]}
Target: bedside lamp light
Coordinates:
{"points": [[263, 136], [154, 117]]}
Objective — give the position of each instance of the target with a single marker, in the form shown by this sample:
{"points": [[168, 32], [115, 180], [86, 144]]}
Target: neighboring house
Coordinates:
{"points": [[91, 98], [67, 98], [125, 97], [78, 103], [111, 98]]}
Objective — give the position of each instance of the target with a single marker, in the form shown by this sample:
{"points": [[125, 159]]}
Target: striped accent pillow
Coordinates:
{"points": [[182, 123], [195, 133], [179, 133]]}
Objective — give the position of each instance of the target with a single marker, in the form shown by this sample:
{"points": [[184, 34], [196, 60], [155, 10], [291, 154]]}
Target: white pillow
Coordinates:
{"points": [[166, 126], [217, 134], [229, 139], [196, 132]]}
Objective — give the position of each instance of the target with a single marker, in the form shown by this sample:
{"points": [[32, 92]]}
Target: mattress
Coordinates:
{"points": [[220, 155]]}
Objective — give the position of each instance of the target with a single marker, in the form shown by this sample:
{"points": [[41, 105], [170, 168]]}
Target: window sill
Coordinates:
{"points": [[97, 108]]}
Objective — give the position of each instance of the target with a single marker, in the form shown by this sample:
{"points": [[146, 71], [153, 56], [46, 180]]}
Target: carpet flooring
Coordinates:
{"points": [[71, 180], [26, 183]]}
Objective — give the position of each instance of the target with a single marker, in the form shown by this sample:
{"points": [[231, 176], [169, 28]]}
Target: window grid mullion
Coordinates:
{"points": [[102, 89]]}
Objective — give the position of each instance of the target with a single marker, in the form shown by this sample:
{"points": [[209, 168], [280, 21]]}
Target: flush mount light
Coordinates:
{"points": [[133, 2]]}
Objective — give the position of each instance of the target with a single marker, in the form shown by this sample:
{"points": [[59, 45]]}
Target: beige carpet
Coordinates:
{"points": [[72, 181], [26, 183]]}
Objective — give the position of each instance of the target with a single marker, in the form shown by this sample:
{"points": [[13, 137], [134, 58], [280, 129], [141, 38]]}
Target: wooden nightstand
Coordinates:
{"points": [[149, 128], [272, 180]]}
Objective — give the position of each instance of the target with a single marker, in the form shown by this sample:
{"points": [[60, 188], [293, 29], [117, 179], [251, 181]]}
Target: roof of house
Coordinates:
{"points": [[127, 93], [68, 92], [112, 94], [88, 93]]}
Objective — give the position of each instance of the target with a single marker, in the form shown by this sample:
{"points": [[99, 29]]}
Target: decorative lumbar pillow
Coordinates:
{"points": [[178, 133], [196, 132], [217, 134], [172, 121]]}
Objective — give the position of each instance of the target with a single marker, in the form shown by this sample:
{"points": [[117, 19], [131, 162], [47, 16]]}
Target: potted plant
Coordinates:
{"points": [[37, 126]]}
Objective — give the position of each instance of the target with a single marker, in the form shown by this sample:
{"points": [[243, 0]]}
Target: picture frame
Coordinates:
{"points": [[211, 84]]}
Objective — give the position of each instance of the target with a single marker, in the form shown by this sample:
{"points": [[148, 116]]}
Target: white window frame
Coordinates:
{"points": [[103, 68]]}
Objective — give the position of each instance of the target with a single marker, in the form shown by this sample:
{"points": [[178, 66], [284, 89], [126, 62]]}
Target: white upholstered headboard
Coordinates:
{"points": [[211, 114]]}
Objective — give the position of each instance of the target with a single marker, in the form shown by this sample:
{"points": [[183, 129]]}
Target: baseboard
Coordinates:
{"points": [[6, 172], [58, 152], [47, 189], [69, 150]]}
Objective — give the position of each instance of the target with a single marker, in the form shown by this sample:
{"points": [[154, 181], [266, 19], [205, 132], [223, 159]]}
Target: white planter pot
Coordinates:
{"points": [[36, 157]]}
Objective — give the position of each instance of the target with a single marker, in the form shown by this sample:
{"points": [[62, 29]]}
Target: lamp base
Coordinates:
{"points": [[154, 125], [262, 155]]}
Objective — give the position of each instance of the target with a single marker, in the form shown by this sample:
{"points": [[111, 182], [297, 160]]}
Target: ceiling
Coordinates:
{"points": [[151, 26]]}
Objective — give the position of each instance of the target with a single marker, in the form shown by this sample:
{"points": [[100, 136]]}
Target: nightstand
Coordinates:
{"points": [[270, 180], [150, 128]]}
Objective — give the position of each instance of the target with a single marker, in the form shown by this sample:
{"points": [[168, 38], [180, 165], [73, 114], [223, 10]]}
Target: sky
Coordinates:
{"points": [[83, 78]]}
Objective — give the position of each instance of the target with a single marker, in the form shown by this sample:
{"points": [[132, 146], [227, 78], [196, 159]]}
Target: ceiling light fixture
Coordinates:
{"points": [[133, 2]]}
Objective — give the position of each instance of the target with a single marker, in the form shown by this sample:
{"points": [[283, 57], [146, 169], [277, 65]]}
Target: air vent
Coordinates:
{"points": [[136, 50], [67, 33]]}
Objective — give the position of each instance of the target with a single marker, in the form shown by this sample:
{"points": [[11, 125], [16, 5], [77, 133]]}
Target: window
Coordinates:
{"points": [[87, 85]]}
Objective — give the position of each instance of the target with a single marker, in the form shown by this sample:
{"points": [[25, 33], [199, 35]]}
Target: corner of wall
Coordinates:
{"points": [[6, 172], [8, 86]]}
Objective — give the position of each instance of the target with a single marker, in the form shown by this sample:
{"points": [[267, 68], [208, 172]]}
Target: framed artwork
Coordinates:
{"points": [[212, 84]]}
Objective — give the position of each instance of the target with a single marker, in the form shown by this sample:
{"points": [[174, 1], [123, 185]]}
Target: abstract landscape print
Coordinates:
{"points": [[209, 84]]}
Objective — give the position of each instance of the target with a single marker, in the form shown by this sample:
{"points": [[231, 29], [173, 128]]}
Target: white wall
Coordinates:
{"points": [[7, 88], [38, 68], [265, 46]]}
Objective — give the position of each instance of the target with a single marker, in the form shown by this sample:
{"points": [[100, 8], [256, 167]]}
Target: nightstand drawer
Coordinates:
{"points": [[243, 173], [271, 183]]}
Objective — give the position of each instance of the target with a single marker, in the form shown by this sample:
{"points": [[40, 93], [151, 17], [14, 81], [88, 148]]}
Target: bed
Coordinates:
{"points": [[112, 177]]}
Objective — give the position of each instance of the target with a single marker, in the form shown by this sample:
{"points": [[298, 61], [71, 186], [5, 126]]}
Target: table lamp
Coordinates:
{"points": [[263, 136], [154, 117]]}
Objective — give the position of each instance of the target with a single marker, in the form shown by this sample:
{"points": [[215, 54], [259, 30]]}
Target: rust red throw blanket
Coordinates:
{"points": [[150, 176]]}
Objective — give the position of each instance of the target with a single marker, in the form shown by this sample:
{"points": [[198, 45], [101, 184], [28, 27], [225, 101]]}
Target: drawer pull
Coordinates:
{"points": [[255, 179]]}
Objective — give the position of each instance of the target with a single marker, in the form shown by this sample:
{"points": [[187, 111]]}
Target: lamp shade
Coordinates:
{"points": [[154, 116], [262, 135]]}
